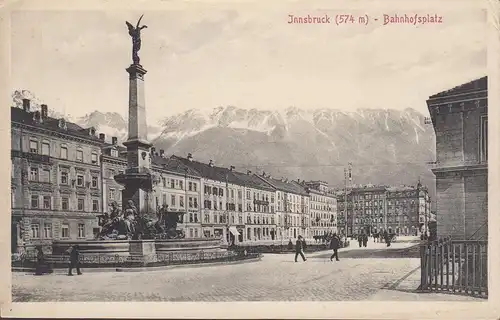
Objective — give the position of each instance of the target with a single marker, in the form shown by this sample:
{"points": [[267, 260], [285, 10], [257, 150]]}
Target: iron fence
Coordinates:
{"points": [[29, 261], [457, 266]]}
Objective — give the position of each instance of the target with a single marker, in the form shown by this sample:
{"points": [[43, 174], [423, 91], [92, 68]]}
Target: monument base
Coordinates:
{"points": [[140, 253]]}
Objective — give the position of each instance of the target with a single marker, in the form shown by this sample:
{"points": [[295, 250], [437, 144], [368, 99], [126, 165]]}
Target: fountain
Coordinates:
{"points": [[140, 235]]}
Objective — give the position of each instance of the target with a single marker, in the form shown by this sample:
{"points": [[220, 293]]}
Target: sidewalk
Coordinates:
{"points": [[405, 289]]}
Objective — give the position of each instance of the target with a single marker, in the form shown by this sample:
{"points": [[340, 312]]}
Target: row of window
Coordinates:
{"points": [[43, 148], [320, 207], [45, 202], [43, 175], [178, 184], [192, 201], [380, 220], [47, 231], [322, 199]]}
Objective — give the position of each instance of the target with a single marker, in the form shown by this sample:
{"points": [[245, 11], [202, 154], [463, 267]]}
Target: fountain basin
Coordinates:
{"points": [[139, 253]]}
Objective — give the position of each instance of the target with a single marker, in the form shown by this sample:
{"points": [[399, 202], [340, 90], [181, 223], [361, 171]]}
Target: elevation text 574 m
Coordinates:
{"points": [[385, 19]]}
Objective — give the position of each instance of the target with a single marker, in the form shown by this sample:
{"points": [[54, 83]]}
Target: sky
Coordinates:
{"points": [[244, 56]]}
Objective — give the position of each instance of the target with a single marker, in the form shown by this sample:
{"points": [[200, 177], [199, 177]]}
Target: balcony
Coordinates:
{"points": [[261, 202], [33, 157]]}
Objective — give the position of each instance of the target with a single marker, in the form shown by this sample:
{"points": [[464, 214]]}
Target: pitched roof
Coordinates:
{"points": [[251, 180], [20, 116], [224, 174], [207, 171], [173, 165], [471, 86], [286, 186]]}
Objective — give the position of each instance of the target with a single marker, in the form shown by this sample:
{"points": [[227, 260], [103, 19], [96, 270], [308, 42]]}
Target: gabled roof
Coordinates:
{"points": [[471, 86], [20, 116]]}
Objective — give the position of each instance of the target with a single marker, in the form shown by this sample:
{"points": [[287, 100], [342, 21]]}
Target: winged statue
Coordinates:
{"points": [[135, 33]]}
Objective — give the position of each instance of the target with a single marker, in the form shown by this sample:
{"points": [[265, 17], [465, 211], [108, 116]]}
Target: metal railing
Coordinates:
{"points": [[455, 266], [29, 261]]}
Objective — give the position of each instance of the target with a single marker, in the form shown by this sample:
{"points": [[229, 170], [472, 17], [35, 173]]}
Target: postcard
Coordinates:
{"points": [[250, 159]]}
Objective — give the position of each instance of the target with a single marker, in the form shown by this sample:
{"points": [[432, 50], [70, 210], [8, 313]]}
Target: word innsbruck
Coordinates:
{"points": [[340, 19]]}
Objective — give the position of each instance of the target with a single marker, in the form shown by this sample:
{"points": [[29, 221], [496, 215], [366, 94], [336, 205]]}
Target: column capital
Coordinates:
{"points": [[136, 71]]}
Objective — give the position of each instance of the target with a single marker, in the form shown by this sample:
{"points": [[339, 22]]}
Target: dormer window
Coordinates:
{"points": [[62, 124], [92, 131], [114, 153]]}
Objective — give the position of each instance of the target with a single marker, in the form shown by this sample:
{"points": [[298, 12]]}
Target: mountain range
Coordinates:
{"points": [[389, 147]]}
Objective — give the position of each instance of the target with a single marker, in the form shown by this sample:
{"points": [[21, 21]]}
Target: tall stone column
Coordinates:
{"points": [[137, 178]]}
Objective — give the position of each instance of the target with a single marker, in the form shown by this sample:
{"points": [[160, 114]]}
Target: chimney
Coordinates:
{"points": [[162, 153], [45, 111], [152, 150], [26, 105], [249, 172], [231, 168], [114, 140], [211, 163], [190, 157], [102, 136]]}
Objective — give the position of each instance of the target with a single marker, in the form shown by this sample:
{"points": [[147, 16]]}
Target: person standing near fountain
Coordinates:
{"points": [[74, 260]]}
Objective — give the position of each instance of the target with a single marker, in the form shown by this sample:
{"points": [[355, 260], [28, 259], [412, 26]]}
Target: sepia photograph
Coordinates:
{"points": [[249, 152]]}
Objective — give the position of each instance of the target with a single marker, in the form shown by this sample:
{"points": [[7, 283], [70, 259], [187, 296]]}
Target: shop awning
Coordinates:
{"points": [[234, 231]]}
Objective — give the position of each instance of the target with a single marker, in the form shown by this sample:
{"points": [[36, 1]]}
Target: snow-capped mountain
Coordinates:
{"points": [[112, 124], [384, 146]]}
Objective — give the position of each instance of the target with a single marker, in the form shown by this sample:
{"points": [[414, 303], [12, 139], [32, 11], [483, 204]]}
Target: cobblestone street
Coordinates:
{"points": [[358, 276]]}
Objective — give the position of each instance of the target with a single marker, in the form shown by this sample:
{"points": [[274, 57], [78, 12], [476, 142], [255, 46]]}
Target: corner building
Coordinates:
{"points": [[323, 208], [292, 213], [460, 120], [370, 209], [55, 179]]}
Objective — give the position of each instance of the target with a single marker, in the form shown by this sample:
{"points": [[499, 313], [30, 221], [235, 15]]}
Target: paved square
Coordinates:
{"points": [[274, 278]]}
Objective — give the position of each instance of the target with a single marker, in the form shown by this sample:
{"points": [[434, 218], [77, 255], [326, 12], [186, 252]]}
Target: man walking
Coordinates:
{"points": [[299, 248], [334, 245], [74, 260]]}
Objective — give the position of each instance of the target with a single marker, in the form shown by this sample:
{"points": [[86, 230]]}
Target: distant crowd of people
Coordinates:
{"points": [[380, 237]]}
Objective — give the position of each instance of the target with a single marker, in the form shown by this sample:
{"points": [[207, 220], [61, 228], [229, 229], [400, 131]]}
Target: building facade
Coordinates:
{"points": [[323, 208], [370, 209], [292, 213], [460, 120], [55, 180]]}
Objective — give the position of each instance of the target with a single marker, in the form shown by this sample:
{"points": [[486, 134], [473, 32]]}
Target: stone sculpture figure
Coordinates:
{"points": [[110, 223], [135, 33]]}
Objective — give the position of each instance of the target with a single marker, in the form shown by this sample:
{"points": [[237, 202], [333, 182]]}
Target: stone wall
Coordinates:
{"points": [[476, 204], [450, 204]]}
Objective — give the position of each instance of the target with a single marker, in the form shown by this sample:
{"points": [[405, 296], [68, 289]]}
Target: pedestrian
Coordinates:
{"points": [[375, 237], [386, 238], [360, 240], [40, 261], [299, 249], [365, 240], [74, 259], [334, 245]]}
